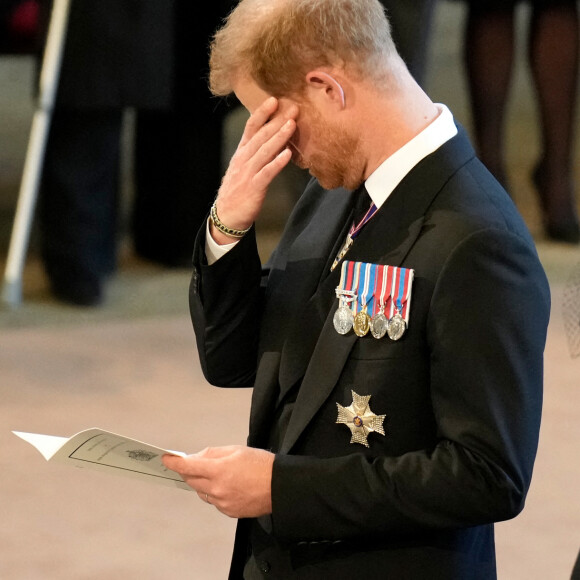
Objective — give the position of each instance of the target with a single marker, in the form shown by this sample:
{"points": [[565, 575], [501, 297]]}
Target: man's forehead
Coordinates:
{"points": [[249, 93]]}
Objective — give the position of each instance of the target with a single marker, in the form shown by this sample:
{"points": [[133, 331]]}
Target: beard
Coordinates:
{"points": [[336, 160]]}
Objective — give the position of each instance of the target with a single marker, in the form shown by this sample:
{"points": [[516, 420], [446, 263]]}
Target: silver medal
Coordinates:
{"points": [[343, 319], [396, 327], [379, 325]]}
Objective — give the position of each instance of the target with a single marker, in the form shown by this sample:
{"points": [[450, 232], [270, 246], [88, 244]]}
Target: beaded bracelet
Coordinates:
{"points": [[233, 233]]}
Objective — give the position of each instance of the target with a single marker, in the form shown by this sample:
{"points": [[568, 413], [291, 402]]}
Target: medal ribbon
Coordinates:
{"points": [[378, 280], [390, 276], [346, 275], [368, 282], [376, 286], [401, 289], [382, 294], [344, 290], [342, 279], [410, 275], [356, 228], [352, 234], [356, 286]]}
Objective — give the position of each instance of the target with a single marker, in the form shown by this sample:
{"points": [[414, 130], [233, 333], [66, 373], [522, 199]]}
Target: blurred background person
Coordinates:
{"points": [[148, 55], [179, 150], [553, 59]]}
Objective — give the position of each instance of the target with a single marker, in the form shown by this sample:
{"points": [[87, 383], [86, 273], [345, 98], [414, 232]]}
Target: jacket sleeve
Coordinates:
{"points": [[225, 302], [486, 331]]}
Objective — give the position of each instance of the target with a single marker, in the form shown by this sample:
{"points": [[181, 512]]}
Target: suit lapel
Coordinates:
{"points": [[308, 314], [311, 315], [296, 272]]}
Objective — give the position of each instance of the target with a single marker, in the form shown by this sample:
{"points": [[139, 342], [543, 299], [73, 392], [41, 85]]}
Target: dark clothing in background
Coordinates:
{"points": [[150, 55], [178, 151], [411, 28], [118, 53]]}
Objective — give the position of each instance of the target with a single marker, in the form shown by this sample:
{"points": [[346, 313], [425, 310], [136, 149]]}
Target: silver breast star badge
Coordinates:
{"points": [[359, 418]]}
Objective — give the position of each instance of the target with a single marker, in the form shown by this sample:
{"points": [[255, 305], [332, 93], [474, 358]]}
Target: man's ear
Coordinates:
{"points": [[328, 86]]}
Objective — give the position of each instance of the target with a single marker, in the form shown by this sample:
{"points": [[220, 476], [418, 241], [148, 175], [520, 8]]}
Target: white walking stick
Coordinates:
{"points": [[12, 287]]}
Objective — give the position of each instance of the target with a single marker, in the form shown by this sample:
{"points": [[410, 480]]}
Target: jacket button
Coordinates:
{"points": [[264, 566]]}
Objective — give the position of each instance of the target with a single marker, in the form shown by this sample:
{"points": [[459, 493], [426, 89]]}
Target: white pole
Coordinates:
{"points": [[12, 287]]}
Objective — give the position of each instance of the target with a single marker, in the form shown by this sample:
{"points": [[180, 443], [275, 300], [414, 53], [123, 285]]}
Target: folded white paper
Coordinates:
{"points": [[109, 452]]}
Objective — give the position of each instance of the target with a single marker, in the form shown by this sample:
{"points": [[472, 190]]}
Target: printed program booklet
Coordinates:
{"points": [[109, 452]]}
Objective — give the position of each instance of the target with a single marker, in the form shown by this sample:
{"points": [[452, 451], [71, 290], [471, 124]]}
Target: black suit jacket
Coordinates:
{"points": [[462, 390]]}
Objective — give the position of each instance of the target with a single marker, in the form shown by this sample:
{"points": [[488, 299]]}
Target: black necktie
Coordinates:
{"points": [[362, 204]]}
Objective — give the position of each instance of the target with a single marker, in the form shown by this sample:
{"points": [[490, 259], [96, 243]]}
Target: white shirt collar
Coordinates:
{"points": [[390, 172]]}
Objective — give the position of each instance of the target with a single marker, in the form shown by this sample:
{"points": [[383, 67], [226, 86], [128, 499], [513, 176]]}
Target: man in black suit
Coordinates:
{"points": [[395, 339]]}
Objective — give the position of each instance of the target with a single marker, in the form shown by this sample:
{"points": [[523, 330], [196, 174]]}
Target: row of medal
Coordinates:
{"points": [[373, 298]]}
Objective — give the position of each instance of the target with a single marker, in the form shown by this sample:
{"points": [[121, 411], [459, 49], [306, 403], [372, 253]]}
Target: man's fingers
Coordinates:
{"points": [[198, 465], [268, 141], [256, 166], [263, 125], [260, 156], [272, 169], [217, 452], [204, 496], [173, 462], [235, 479], [259, 118], [192, 465], [271, 148]]}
